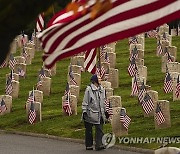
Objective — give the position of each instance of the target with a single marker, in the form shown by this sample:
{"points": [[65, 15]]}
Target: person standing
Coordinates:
{"points": [[94, 113]]}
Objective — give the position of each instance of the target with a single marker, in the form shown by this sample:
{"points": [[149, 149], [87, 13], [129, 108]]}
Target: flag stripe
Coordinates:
{"points": [[83, 33]]}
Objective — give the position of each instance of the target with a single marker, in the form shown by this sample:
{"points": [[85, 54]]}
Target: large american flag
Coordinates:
{"points": [[9, 87], [159, 117], [177, 91], [12, 62], [133, 40], [134, 90], [159, 48], [147, 104], [40, 22], [132, 68], [168, 87], [90, 60], [124, 118], [68, 34], [142, 91], [3, 107], [67, 106], [32, 114]]}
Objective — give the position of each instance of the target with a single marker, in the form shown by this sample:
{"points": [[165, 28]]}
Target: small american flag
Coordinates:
{"points": [[159, 48], [71, 76], [3, 107], [32, 114], [106, 58], [21, 72], [132, 68], [124, 118], [24, 53], [152, 34], [159, 117], [42, 73], [106, 75], [167, 54], [66, 105], [31, 97], [23, 39], [102, 50], [133, 54], [133, 40], [147, 104], [134, 91], [100, 70], [39, 83], [12, 62], [67, 90], [142, 90], [164, 36], [168, 87], [9, 87], [177, 91], [3, 64], [12, 75]]}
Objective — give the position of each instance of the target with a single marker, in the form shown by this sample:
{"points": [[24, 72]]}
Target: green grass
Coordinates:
{"points": [[54, 123]]}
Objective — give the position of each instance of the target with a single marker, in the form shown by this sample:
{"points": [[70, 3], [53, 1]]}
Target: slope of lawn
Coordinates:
{"points": [[54, 123]]}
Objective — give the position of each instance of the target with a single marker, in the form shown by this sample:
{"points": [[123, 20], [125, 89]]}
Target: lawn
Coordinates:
{"points": [[54, 123]]}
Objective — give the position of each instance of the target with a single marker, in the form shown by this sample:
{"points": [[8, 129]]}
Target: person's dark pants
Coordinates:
{"points": [[98, 134]]}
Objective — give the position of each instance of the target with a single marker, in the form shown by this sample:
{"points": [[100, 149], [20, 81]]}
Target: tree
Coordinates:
{"points": [[16, 15]]}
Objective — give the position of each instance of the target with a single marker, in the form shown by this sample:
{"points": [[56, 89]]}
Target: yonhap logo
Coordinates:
{"points": [[108, 140]]}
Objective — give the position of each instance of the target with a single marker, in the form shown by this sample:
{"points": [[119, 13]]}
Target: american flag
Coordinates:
{"points": [[40, 23], [100, 70], [67, 106], [12, 62], [177, 91], [67, 90], [32, 114], [142, 90], [67, 34], [3, 107], [133, 54], [3, 64], [147, 104], [169, 57], [42, 73], [21, 72], [159, 48], [108, 105], [23, 39], [31, 97], [78, 64], [159, 117], [134, 91], [39, 83], [152, 34], [24, 53], [106, 75], [9, 87], [106, 58], [71, 76], [168, 87], [133, 40], [90, 60], [102, 50], [164, 36], [12, 75], [132, 68], [124, 118]]}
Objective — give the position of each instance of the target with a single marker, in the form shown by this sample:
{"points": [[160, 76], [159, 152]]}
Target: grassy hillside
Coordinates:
{"points": [[55, 124]]}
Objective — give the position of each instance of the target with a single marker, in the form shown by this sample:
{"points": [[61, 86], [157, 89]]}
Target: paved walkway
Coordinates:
{"points": [[19, 144]]}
